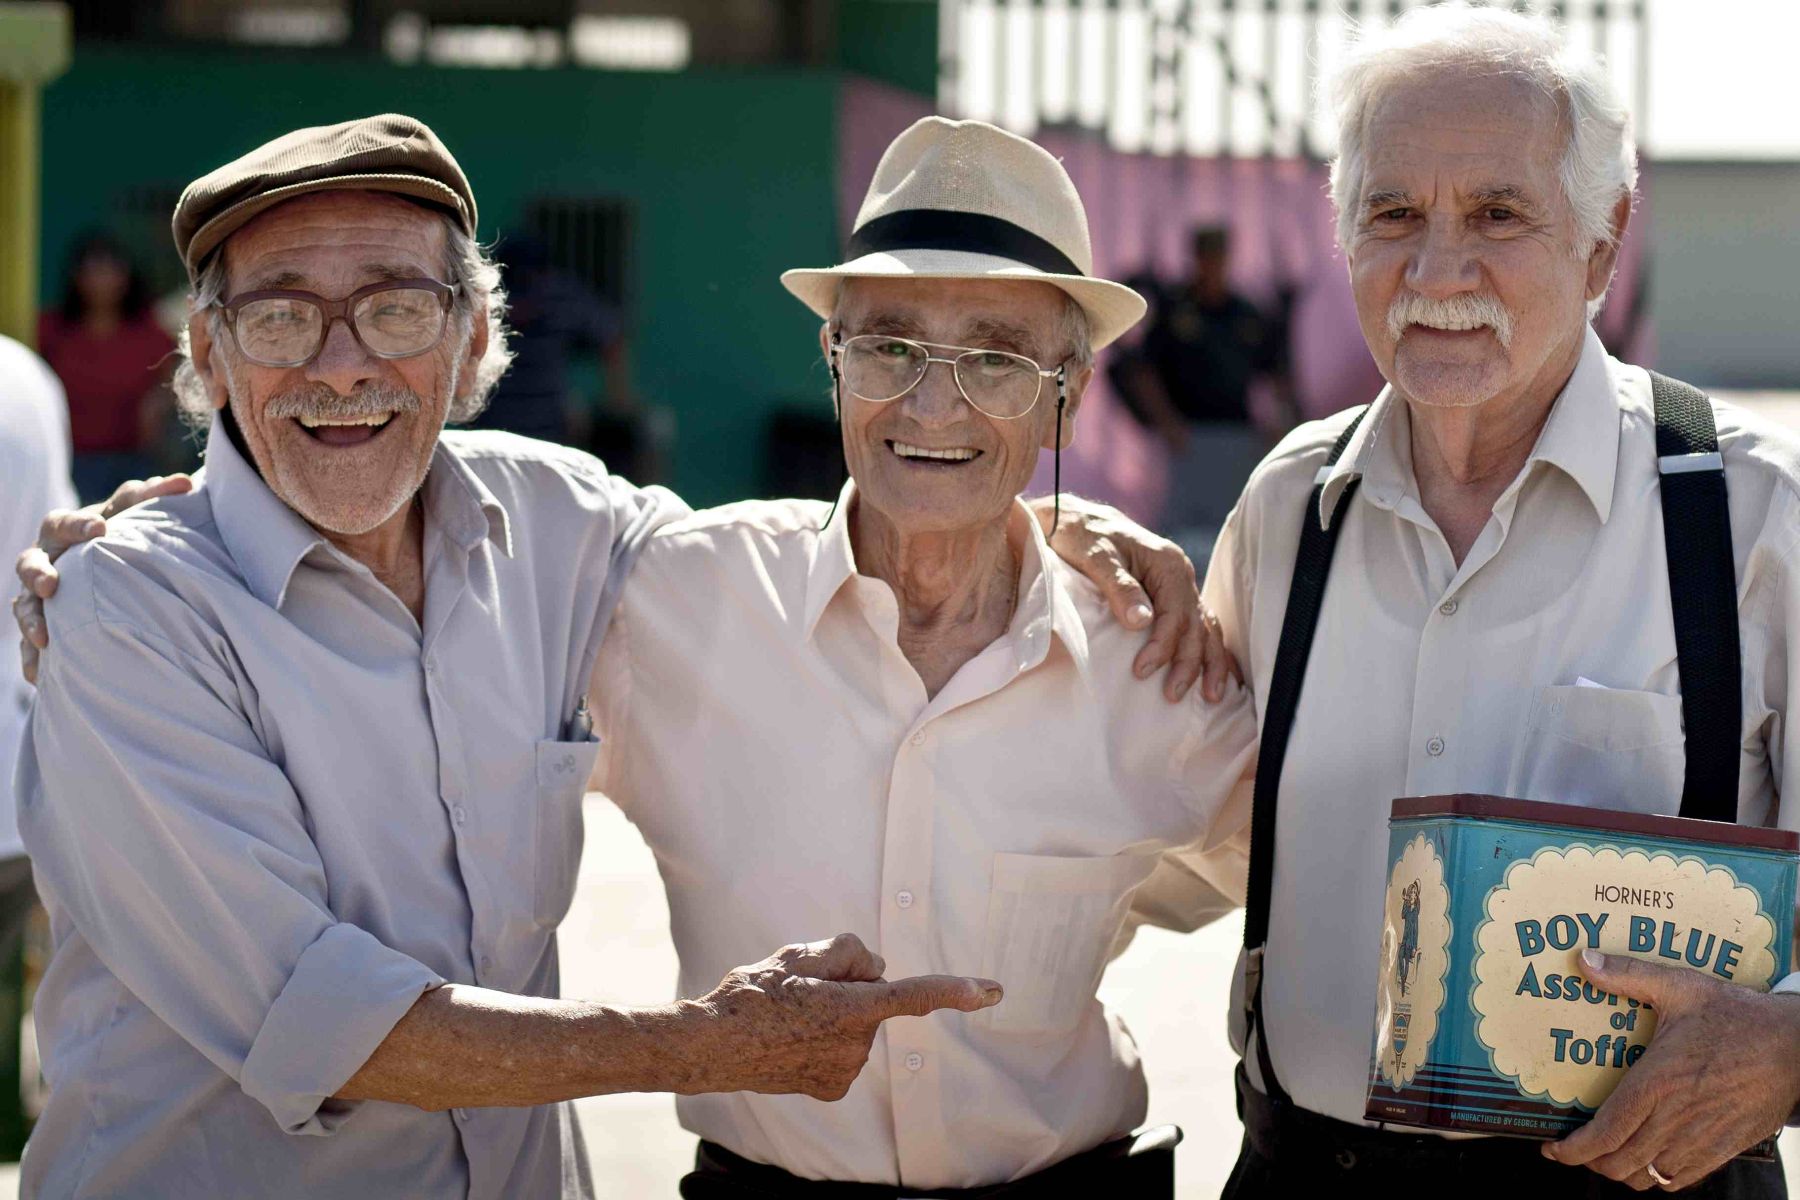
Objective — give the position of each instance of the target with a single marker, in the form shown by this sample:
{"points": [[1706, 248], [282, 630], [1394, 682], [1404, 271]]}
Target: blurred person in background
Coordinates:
{"points": [[114, 360], [555, 318], [1190, 381]]}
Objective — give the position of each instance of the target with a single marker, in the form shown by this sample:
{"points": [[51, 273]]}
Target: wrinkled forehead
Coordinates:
{"points": [[334, 242], [1473, 134], [1023, 315]]}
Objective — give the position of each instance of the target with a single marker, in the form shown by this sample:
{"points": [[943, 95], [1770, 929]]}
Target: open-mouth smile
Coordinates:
{"points": [[345, 431], [925, 457]]}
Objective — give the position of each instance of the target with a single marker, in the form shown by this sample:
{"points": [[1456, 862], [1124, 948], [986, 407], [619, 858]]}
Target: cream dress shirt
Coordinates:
{"points": [[1428, 677], [762, 728]]}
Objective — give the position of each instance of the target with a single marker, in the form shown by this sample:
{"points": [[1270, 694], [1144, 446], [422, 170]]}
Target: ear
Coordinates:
{"points": [[1604, 259], [200, 349], [831, 364], [1073, 391], [477, 350]]}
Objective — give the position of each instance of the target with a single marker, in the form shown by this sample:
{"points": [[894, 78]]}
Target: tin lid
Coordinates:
{"points": [[1685, 829]]}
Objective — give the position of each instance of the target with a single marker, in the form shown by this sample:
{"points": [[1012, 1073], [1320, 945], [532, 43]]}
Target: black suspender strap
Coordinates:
{"points": [[1312, 567], [1703, 589], [1703, 593]]}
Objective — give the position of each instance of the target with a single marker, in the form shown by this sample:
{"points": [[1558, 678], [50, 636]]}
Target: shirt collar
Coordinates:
{"points": [[267, 539], [1044, 606], [1581, 438]]}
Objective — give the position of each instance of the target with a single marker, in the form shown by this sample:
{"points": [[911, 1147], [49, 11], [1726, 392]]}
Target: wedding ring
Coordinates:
{"points": [[1659, 1176]]}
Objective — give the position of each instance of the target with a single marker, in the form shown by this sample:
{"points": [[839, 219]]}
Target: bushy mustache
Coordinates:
{"points": [[322, 402], [1465, 310]]}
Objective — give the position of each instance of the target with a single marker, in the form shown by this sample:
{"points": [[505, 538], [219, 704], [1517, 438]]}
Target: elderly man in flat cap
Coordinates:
{"points": [[903, 716], [304, 777], [1532, 571]]}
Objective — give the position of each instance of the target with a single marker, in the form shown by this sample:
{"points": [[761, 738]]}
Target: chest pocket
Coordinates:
{"points": [[1051, 921], [1605, 747], [562, 774]]}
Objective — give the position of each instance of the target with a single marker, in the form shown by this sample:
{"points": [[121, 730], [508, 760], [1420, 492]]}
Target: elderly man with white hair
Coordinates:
{"points": [[1503, 616]]}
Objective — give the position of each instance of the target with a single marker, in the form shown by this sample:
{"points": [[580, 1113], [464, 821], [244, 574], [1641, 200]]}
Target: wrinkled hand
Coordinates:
{"points": [[1721, 1074], [1147, 581], [63, 528], [803, 1019]]}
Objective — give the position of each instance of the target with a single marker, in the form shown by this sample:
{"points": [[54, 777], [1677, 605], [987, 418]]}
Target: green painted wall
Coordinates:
{"points": [[732, 173], [895, 41]]}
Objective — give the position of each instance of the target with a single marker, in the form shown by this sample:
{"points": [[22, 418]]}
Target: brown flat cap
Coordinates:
{"points": [[388, 153]]}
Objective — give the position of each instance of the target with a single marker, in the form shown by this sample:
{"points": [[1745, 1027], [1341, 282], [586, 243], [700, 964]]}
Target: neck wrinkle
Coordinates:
{"points": [[939, 579], [385, 548]]}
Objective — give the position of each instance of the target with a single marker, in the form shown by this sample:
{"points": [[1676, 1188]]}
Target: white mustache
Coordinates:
{"points": [[322, 403], [1467, 310]]}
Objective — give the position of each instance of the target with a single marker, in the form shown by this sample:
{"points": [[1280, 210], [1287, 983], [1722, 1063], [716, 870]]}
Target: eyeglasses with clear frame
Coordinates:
{"points": [[279, 327], [880, 367]]}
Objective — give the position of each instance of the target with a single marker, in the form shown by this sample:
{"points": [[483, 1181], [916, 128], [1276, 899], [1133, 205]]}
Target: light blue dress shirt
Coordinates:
{"points": [[268, 811]]}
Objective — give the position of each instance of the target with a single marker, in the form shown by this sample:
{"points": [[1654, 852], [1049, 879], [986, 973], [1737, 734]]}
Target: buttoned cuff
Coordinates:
{"points": [[346, 994]]}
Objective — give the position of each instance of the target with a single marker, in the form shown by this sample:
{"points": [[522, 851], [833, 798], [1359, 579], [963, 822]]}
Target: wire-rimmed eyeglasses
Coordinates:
{"points": [[879, 367], [279, 327]]}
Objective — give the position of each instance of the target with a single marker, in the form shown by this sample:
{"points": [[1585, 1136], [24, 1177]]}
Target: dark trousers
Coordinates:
{"points": [[1140, 1167], [1291, 1152]]}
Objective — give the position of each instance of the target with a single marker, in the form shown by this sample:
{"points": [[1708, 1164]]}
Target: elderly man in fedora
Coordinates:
{"points": [[304, 775], [906, 700], [1556, 577]]}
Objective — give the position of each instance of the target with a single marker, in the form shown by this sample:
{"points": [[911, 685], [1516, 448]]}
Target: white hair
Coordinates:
{"points": [[468, 269], [1599, 165]]}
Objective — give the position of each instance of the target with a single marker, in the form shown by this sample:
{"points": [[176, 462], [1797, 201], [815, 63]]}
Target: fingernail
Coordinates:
{"points": [[1142, 670], [1139, 614], [94, 528], [1593, 960], [992, 993], [1548, 1149]]}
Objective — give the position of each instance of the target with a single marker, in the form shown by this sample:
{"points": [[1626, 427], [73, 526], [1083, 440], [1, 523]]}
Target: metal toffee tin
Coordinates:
{"points": [[1483, 1021]]}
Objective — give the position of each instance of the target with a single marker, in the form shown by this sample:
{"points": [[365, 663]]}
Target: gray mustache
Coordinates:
{"points": [[1476, 308], [321, 402]]}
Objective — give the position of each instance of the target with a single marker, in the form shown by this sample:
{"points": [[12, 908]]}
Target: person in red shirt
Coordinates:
{"points": [[104, 343]]}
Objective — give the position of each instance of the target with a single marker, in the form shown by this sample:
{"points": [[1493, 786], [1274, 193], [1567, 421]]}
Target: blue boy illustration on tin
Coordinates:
{"points": [[1409, 935]]}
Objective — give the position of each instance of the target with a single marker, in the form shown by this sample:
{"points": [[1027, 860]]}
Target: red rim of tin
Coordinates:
{"points": [[1468, 804]]}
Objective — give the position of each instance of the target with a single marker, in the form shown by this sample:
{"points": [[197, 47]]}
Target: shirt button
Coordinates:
{"points": [[903, 899], [460, 814], [1434, 747], [918, 739], [1448, 608], [914, 1061]]}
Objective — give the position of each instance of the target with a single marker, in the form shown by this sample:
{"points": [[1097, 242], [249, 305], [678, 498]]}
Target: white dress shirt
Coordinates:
{"points": [[1428, 677], [34, 478], [267, 810], [763, 729]]}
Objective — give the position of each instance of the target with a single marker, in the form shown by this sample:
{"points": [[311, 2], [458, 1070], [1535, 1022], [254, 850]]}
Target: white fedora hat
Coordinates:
{"points": [[968, 200]]}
